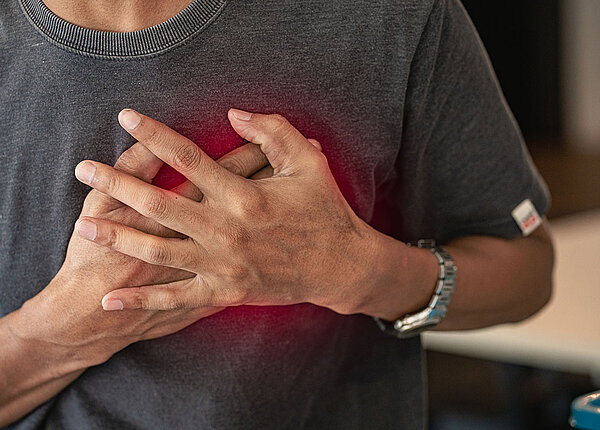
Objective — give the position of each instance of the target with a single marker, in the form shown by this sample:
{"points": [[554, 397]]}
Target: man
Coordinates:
{"points": [[252, 293]]}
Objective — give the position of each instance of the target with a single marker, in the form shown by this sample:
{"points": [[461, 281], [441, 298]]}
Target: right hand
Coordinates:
{"points": [[67, 314]]}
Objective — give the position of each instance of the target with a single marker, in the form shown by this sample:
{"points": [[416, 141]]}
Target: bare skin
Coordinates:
{"points": [[51, 340], [368, 272], [315, 239], [56, 335], [116, 15]]}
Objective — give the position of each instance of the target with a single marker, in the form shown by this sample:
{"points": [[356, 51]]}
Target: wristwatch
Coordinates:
{"points": [[413, 324]]}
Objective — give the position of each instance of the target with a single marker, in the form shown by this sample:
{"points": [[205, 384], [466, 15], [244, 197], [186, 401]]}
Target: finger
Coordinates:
{"points": [[174, 295], [180, 153], [265, 172], [242, 161], [162, 251], [164, 206], [285, 147], [140, 162], [189, 190]]}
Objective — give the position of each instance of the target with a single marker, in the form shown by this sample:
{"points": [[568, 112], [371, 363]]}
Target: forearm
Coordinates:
{"points": [[498, 280], [31, 372]]}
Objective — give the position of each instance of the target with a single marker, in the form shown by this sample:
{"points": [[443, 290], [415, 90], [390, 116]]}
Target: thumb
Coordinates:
{"points": [[284, 146]]}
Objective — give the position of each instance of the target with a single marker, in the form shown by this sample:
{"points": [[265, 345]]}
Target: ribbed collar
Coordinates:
{"points": [[127, 45]]}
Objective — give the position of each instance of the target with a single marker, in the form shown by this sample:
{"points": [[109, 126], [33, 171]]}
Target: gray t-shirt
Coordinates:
{"points": [[402, 97]]}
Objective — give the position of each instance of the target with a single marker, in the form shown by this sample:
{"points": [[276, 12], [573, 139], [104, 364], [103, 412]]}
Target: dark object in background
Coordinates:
{"points": [[522, 39], [472, 394]]}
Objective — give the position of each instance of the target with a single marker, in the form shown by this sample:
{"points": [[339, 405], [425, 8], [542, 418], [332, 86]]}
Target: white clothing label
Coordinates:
{"points": [[526, 217]]}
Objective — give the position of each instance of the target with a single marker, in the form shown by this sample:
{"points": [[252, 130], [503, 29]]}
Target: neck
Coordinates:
{"points": [[116, 15]]}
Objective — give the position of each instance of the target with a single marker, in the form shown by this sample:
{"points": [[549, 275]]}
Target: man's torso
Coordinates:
{"points": [[338, 72]]}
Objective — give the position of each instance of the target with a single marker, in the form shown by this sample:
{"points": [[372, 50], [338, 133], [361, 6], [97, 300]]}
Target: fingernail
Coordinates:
{"points": [[87, 229], [129, 119], [85, 172], [112, 305], [242, 115]]}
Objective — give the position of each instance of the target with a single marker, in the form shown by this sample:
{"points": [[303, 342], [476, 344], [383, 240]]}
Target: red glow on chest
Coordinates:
{"points": [[215, 145], [216, 137]]}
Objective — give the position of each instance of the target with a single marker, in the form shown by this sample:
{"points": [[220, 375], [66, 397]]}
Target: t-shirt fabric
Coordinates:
{"points": [[404, 101]]}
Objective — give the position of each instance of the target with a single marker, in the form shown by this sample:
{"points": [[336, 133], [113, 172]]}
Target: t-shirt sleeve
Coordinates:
{"points": [[462, 165]]}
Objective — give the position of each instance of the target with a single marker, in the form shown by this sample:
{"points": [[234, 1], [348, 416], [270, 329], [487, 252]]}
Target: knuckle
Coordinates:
{"points": [[242, 209], [114, 238], [322, 158], [239, 210], [155, 135], [172, 301], [157, 253], [112, 182], [232, 296], [140, 299], [319, 161], [155, 205], [246, 205], [279, 124], [316, 144], [186, 157], [188, 217], [278, 120]]}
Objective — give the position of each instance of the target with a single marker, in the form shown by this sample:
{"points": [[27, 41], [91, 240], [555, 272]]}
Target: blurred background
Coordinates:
{"points": [[546, 54]]}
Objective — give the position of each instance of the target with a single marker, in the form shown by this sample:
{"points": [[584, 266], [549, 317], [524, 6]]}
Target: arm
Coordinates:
{"points": [[57, 334], [498, 280], [50, 341], [32, 372], [461, 168], [326, 256]]}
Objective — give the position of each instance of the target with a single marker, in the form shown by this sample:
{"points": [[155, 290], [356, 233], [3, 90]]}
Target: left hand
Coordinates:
{"points": [[286, 239]]}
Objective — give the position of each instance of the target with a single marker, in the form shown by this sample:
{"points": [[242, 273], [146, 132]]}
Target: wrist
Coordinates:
{"points": [[403, 279], [46, 361], [52, 331]]}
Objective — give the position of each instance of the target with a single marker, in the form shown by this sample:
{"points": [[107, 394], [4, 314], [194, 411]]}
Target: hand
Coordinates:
{"points": [[286, 239], [68, 312]]}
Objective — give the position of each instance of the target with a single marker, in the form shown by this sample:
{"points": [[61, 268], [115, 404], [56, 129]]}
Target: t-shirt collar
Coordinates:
{"points": [[122, 45]]}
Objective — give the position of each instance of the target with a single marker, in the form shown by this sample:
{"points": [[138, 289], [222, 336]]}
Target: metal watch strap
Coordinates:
{"points": [[413, 324]]}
